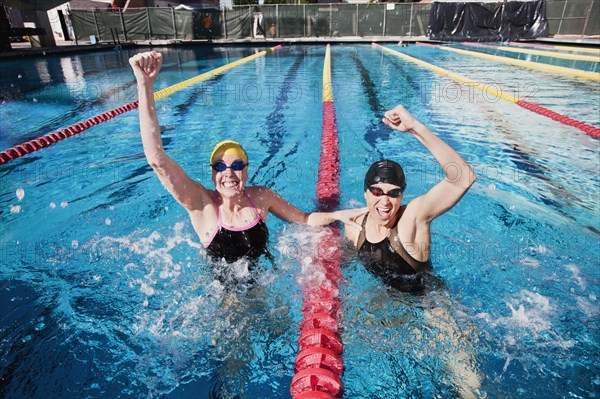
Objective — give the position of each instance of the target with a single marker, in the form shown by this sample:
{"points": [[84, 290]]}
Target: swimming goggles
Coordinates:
{"points": [[221, 166], [376, 191]]}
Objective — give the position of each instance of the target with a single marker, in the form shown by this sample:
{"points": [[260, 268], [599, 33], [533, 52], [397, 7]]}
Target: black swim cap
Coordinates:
{"points": [[385, 171]]}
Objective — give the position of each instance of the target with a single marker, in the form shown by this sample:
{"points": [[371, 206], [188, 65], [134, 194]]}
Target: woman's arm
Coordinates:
{"points": [[189, 193], [346, 216], [458, 173], [276, 204]]}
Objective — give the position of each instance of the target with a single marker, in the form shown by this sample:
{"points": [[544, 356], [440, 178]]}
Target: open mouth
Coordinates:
{"points": [[230, 184], [384, 213]]}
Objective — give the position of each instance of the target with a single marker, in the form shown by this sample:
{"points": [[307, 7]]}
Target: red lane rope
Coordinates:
{"points": [[588, 129], [319, 364], [584, 127], [51, 138]]}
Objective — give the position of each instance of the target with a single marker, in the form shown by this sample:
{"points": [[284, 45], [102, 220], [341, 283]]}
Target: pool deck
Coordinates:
{"points": [[24, 50]]}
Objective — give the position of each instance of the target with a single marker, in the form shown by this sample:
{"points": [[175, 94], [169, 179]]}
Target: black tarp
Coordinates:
{"points": [[506, 21]]}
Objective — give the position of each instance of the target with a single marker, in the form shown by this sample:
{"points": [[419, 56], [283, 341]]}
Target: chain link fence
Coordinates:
{"points": [[573, 17], [282, 21]]}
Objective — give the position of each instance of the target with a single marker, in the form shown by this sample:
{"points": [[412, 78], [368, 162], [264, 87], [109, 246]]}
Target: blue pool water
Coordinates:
{"points": [[105, 292]]}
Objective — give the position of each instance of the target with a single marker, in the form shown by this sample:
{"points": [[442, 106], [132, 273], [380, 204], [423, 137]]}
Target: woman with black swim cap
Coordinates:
{"points": [[393, 240]]}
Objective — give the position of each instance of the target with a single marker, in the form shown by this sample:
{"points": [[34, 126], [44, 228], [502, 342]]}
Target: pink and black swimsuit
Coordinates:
{"points": [[233, 243]]}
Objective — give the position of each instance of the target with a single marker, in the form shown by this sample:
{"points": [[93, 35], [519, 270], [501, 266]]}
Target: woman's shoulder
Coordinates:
{"points": [[259, 192]]}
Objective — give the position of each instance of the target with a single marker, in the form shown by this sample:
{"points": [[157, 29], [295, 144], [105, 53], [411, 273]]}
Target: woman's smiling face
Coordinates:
{"points": [[384, 208], [229, 182]]}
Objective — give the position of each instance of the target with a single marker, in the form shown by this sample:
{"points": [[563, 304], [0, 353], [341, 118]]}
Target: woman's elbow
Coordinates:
{"points": [[157, 160]]}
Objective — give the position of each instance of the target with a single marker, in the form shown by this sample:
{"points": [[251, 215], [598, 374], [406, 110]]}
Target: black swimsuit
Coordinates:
{"points": [[389, 260], [234, 243]]}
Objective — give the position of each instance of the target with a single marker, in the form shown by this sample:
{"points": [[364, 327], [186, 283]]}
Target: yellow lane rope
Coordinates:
{"points": [[525, 64], [491, 89], [217, 71], [327, 89], [594, 50], [554, 54]]}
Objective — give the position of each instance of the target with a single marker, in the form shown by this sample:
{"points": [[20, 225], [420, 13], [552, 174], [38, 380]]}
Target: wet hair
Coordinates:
{"points": [[385, 171]]}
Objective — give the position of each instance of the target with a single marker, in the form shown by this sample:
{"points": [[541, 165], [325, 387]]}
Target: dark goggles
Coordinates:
{"points": [[376, 191], [221, 166]]}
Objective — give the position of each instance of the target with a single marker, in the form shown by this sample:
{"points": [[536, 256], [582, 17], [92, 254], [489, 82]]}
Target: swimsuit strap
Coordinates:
{"points": [[216, 201], [362, 236]]}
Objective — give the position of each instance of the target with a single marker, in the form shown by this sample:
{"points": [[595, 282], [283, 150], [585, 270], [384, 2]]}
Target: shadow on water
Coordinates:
{"points": [[376, 130], [275, 123]]}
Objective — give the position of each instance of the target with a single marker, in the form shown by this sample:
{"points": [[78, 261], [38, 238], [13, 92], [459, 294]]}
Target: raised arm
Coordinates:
{"points": [[189, 193], [458, 174]]}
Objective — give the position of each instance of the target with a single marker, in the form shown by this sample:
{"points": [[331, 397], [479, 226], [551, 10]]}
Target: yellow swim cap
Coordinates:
{"points": [[228, 147]]}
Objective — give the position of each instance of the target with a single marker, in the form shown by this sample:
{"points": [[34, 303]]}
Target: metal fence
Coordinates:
{"points": [[565, 17], [573, 17]]}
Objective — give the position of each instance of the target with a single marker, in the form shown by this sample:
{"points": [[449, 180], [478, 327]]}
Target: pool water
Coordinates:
{"points": [[105, 291]]}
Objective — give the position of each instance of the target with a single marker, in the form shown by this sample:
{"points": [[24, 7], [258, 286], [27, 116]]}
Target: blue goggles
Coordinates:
{"points": [[221, 166]]}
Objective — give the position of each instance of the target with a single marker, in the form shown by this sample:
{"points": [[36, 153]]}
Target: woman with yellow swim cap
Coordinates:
{"points": [[229, 220]]}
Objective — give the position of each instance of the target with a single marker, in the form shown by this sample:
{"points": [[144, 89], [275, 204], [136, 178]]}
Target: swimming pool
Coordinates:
{"points": [[105, 291]]}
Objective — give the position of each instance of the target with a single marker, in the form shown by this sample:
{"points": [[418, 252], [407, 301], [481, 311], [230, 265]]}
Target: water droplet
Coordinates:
{"points": [[15, 209], [52, 205], [107, 221], [20, 193], [19, 76], [35, 100], [64, 204], [74, 244]]}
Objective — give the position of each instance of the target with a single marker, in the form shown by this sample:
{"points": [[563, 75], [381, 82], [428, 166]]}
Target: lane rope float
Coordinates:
{"points": [[496, 92], [559, 48], [521, 63], [51, 138], [319, 364], [574, 57]]}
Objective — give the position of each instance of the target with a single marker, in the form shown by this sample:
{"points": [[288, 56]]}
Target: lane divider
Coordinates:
{"points": [[496, 92], [319, 364], [525, 64], [575, 57], [51, 138], [559, 48]]}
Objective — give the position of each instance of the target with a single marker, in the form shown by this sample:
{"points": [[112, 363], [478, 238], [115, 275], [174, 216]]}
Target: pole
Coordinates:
{"points": [[384, 18], [96, 23], [587, 17], [330, 17], [174, 24], [561, 18], [357, 21], [225, 22], [410, 22], [149, 25], [304, 17], [122, 24]]}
